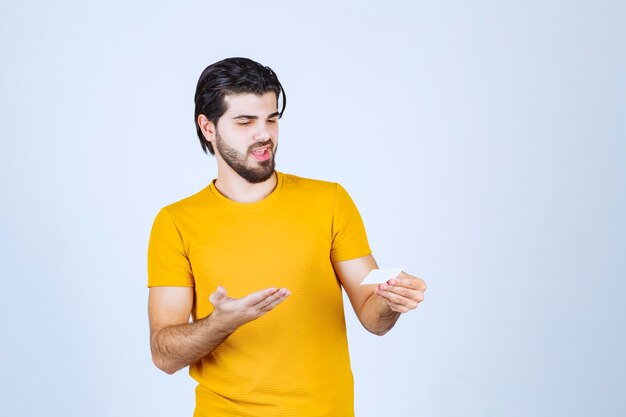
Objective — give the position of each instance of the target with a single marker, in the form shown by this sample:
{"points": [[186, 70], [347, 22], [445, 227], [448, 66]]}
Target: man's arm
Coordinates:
{"points": [[378, 307], [176, 343]]}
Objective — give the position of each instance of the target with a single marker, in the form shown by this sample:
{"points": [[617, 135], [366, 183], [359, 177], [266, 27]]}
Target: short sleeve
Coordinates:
{"points": [[349, 240], [168, 264]]}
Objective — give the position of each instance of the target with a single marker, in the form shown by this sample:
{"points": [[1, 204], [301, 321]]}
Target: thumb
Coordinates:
{"points": [[218, 295]]}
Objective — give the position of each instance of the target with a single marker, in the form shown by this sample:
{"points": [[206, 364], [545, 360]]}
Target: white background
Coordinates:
{"points": [[484, 143]]}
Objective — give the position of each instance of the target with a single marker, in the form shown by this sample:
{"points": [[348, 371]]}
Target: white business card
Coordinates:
{"points": [[378, 276]]}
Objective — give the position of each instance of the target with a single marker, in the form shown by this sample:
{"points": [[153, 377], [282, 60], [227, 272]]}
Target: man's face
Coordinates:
{"points": [[246, 136]]}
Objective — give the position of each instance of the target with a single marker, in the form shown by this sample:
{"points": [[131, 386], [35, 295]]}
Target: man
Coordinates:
{"points": [[258, 259]]}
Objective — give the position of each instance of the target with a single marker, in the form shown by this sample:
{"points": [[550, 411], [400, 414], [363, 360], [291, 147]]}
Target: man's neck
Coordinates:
{"points": [[235, 188]]}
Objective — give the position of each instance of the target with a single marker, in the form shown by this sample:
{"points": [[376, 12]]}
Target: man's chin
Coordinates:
{"points": [[256, 176]]}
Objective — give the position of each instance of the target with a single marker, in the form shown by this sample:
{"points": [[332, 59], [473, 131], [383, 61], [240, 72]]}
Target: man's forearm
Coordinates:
{"points": [[377, 317], [176, 346]]}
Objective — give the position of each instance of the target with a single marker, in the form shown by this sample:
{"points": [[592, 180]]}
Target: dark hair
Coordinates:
{"points": [[231, 76]]}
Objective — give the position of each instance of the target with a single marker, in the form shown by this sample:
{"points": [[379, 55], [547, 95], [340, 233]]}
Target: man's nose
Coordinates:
{"points": [[262, 133]]}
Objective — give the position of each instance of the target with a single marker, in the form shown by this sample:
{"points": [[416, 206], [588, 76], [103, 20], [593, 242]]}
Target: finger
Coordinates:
{"points": [[393, 306], [218, 295], [273, 300], [281, 293], [256, 297], [411, 282], [398, 300], [409, 293]]}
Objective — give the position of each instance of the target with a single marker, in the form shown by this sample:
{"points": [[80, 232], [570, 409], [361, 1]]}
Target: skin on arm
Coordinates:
{"points": [[378, 307], [176, 343]]}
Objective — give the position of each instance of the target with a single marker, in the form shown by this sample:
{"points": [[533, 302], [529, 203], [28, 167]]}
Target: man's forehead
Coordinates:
{"points": [[250, 102]]}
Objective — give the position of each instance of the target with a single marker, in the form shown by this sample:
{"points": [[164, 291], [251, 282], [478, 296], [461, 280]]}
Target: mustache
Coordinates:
{"points": [[261, 145]]}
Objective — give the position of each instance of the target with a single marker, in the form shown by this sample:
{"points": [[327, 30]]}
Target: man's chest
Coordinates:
{"points": [[250, 253]]}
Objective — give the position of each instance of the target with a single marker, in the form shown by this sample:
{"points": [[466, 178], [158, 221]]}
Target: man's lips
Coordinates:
{"points": [[261, 153]]}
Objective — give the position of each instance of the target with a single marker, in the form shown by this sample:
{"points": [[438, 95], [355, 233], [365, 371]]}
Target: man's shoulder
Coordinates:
{"points": [[191, 202], [309, 184]]}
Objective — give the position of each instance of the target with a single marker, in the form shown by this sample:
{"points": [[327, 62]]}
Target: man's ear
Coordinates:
{"points": [[207, 127]]}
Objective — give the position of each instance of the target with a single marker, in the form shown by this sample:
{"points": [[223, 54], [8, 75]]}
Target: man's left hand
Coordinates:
{"points": [[402, 293]]}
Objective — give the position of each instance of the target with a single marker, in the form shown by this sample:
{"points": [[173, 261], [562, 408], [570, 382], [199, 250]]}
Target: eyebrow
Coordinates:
{"points": [[252, 117]]}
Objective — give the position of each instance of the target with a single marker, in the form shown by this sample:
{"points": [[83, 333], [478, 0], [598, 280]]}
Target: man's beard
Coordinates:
{"points": [[239, 162]]}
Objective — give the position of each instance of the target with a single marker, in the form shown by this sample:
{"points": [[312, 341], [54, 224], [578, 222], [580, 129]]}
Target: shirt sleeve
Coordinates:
{"points": [[168, 264], [349, 240]]}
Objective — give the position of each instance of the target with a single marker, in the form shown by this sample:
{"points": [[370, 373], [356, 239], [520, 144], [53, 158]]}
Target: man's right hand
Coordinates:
{"points": [[176, 343], [236, 312]]}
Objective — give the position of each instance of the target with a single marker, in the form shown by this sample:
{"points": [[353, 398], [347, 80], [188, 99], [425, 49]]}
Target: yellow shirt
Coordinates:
{"points": [[293, 361]]}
